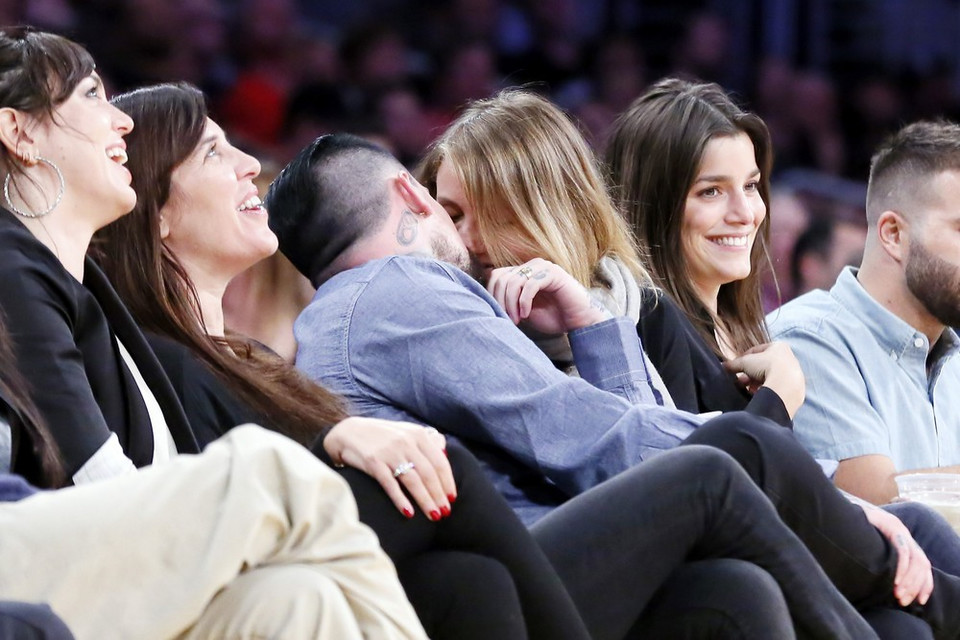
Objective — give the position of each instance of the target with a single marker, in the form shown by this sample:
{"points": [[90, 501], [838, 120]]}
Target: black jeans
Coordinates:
{"points": [[724, 598], [617, 545], [466, 573], [856, 557]]}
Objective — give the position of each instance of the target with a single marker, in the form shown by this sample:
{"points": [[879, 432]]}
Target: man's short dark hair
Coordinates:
{"points": [[905, 160], [327, 198]]}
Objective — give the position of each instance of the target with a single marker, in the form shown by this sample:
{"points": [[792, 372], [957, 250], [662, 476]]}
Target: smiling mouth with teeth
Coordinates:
{"points": [[730, 241], [252, 204], [118, 155]]}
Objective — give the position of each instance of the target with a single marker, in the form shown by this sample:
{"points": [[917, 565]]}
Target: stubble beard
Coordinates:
{"points": [[935, 283], [446, 251]]}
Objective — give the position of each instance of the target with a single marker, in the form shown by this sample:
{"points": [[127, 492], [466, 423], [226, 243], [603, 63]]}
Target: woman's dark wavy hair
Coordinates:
{"points": [[653, 156], [169, 123], [38, 72]]}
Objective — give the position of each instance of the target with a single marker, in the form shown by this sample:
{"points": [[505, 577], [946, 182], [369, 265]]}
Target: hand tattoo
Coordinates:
{"points": [[407, 229], [540, 275]]}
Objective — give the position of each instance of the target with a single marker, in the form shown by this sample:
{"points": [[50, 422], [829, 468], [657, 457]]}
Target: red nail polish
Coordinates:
{"points": [[452, 498], [407, 512], [434, 515], [445, 511]]}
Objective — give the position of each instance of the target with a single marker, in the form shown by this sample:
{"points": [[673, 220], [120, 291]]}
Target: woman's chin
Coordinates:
{"points": [[124, 205]]}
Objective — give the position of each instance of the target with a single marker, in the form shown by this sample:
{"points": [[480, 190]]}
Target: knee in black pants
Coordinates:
{"points": [[463, 596], [723, 598], [755, 443]]}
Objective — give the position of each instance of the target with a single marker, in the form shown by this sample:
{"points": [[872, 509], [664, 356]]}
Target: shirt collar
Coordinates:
{"points": [[892, 333]]}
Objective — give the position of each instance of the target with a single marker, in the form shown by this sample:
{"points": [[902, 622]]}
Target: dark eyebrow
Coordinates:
{"points": [[721, 178], [208, 139]]}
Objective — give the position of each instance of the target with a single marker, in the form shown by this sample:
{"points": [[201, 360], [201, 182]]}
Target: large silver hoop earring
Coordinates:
{"points": [[35, 214]]}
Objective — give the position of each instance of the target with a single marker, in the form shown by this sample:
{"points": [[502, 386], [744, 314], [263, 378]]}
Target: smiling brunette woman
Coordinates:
{"points": [[705, 234], [470, 570], [95, 380]]}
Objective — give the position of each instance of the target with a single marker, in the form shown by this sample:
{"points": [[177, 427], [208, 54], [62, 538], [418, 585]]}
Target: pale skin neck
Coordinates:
{"points": [[210, 287], [708, 296], [66, 233], [884, 280]]}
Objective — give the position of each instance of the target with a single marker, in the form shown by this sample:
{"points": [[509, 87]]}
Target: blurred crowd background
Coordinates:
{"points": [[830, 77]]}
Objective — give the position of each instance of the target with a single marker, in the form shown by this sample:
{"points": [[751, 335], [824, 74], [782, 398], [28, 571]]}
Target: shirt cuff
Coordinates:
{"points": [[107, 462], [607, 354], [767, 403]]}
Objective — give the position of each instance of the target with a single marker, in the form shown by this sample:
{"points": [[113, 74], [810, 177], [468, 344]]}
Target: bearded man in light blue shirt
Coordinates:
{"points": [[883, 380]]}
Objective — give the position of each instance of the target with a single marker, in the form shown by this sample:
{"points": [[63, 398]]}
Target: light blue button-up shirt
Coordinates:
{"points": [[415, 339], [868, 387]]}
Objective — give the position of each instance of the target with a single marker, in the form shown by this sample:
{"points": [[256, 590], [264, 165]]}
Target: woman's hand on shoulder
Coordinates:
{"points": [[405, 458], [774, 366], [545, 297]]}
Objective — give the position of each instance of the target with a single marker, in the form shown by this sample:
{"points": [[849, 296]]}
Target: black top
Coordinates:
{"points": [[63, 337], [211, 406], [691, 371]]}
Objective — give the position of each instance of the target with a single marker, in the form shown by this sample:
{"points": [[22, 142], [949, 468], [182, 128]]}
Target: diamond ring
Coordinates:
{"points": [[403, 468]]}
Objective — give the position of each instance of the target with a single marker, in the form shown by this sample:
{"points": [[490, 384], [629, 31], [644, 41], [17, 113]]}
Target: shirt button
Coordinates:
{"points": [[918, 342], [893, 354]]}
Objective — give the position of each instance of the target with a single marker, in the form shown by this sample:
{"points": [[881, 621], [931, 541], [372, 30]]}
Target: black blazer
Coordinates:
{"points": [[691, 371], [63, 336], [212, 407]]}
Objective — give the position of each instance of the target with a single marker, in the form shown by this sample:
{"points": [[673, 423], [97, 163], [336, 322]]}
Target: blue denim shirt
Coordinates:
{"points": [[868, 391], [419, 340]]}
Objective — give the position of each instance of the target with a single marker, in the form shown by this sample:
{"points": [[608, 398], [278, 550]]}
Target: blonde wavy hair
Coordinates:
{"points": [[530, 175]]}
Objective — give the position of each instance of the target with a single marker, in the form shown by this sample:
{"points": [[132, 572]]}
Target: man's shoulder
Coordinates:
{"points": [[397, 290], [412, 268], [815, 312], [413, 278]]}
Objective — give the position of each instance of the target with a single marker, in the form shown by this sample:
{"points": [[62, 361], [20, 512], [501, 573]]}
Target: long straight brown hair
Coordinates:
{"points": [[170, 120], [653, 155]]}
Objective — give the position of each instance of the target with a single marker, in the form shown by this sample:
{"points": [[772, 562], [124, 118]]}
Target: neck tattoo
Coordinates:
{"points": [[407, 229]]}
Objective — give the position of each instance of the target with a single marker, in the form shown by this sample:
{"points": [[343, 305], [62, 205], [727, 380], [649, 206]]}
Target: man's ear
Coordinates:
{"points": [[414, 194], [15, 136], [892, 232]]}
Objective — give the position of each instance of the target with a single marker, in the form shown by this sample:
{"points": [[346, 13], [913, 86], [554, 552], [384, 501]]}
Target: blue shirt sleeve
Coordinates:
{"points": [[608, 356], [422, 339], [13, 488]]}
